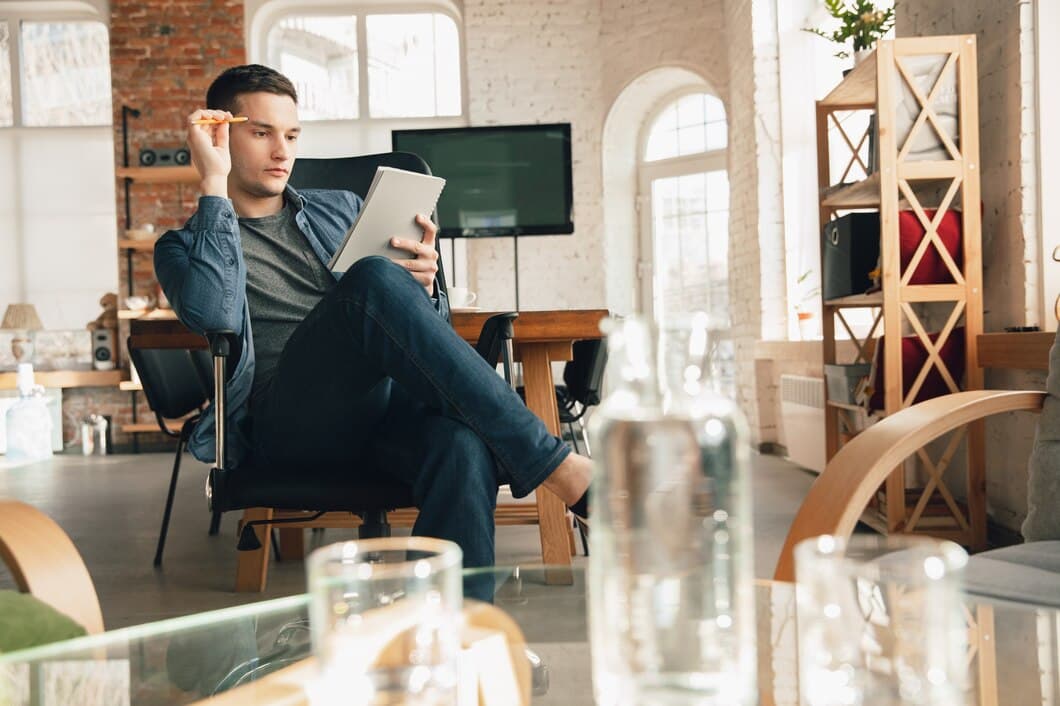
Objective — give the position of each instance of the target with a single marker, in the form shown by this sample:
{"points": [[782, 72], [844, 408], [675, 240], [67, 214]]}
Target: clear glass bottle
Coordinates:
{"points": [[671, 568], [28, 422]]}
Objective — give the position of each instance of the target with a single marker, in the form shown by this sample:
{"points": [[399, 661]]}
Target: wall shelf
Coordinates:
{"points": [[66, 378], [159, 175], [137, 245]]}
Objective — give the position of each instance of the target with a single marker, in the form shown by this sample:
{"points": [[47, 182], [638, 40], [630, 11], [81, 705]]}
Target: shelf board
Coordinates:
{"points": [[152, 426], [911, 293], [857, 90], [129, 386], [138, 245], [154, 313], [66, 378], [159, 175], [140, 428], [933, 292], [860, 194], [844, 405], [1017, 351], [856, 301]]}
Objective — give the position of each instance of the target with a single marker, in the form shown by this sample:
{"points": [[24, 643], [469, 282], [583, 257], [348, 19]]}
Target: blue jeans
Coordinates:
{"points": [[374, 380]]}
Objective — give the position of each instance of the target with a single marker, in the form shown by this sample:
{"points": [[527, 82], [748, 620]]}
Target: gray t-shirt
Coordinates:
{"points": [[285, 280]]}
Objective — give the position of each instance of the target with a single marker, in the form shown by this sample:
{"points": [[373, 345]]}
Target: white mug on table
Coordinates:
{"points": [[461, 297]]}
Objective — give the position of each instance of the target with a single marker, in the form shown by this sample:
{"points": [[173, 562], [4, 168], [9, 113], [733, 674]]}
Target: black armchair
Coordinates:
{"points": [[293, 501], [176, 388]]}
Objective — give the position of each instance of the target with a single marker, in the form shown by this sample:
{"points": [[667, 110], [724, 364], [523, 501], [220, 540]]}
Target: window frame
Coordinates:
{"points": [[649, 170], [272, 14], [14, 20], [668, 101]]}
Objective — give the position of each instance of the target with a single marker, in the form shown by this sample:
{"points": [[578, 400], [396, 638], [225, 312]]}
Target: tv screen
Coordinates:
{"points": [[499, 180]]}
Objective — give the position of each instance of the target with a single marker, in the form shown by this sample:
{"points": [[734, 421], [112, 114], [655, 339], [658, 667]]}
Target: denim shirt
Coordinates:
{"points": [[203, 274]]}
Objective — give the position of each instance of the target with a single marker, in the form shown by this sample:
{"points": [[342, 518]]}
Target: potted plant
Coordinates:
{"points": [[860, 21]]}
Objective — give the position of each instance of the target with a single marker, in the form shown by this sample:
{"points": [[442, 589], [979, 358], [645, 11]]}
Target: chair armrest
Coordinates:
{"points": [[45, 563], [843, 490], [223, 345]]}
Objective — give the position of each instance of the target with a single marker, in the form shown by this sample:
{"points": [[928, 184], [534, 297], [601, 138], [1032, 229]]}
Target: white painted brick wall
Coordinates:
{"points": [[568, 61], [528, 62], [532, 61], [1011, 248], [756, 251]]}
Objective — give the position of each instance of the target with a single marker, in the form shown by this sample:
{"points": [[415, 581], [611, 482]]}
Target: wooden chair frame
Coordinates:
{"points": [[45, 563]]}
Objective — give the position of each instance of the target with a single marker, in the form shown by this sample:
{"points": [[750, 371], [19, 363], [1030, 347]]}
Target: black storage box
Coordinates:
{"points": [[850, 250]]}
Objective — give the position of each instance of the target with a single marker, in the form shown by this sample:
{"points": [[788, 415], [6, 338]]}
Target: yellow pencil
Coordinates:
{"points": [[211, 121]]}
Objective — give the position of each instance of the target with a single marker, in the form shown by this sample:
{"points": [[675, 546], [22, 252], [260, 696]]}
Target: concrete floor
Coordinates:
{"points": [[112, 506]]}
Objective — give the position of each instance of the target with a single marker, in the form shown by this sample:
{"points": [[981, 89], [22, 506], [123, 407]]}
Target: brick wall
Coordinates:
{"points": [[1011, 244], [164, 53]]}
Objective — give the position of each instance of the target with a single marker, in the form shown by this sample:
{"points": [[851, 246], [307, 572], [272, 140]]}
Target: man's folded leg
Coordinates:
{"points": [[454, 480], [385, 321]]}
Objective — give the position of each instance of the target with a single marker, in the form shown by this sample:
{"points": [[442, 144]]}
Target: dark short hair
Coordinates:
{"points": [[250, 78]]}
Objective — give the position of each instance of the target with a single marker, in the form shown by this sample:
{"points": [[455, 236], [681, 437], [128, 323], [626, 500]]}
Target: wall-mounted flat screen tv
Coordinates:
{"points": [[499, 180]]}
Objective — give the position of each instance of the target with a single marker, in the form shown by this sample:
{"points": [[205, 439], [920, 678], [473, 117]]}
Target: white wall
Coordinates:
{"points": [[57, 221]]}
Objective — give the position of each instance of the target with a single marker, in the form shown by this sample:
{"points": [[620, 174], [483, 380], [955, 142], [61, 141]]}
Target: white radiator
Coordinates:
{"points": [[802, 420]]}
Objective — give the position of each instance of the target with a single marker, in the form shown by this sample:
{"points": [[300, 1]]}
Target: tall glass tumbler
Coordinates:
{"points": [[670, 568], [881, 621], [385, 618]]}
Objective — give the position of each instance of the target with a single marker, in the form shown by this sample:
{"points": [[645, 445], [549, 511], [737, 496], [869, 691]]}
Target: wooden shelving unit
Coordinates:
{"points": [[876, 84], [137, 242]]}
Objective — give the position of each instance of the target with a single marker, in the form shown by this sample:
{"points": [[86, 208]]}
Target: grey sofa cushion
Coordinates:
{"points": [[1029, 573]]}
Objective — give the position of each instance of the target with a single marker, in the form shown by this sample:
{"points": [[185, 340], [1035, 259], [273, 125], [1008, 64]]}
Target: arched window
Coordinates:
{"points": [[369, 65], [684, 206]]}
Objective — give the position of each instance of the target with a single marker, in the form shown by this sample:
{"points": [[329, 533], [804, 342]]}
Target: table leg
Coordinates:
{"points": [[292, 543], [551, 513]]}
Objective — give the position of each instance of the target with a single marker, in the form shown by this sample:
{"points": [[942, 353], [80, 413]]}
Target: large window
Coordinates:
{"points": [[61, 69], [685, 232], [359, 65], [684, 197]]}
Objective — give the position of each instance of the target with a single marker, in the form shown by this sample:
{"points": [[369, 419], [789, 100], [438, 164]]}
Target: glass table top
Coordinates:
{"points": [[1013, 650]]}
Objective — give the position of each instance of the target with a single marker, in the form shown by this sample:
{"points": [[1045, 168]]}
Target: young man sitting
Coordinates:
{"points": [[337, 368]]}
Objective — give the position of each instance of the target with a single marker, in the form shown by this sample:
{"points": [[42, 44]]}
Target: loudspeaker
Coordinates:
{"points": [[850, 249], [103, 349], [164, 157]]}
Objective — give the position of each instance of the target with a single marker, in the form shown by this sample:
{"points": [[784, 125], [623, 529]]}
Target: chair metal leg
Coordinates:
{"points": [[215, 523], [585, 438], [585, 539], [573, 437], [169, 503]]}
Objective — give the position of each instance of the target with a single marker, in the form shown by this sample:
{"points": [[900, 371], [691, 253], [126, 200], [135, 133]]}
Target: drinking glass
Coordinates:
{"points": [[880, 621], [385, 619]]}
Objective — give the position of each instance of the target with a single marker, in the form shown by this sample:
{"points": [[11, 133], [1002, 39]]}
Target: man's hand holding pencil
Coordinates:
{"points": [[208, 144]]}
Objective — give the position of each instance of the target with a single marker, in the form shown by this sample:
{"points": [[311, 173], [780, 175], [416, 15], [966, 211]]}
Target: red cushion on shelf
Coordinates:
{"points": [[914, 355], [932, 268]]}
